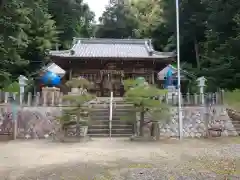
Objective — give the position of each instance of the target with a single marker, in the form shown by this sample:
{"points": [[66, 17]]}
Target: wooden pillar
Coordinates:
{"points": [[70, 74], [153, 78], [6, 95]]}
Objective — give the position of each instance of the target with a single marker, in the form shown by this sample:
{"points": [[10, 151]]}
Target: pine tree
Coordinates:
{"points": [[14, 22], [42, 35], [77, 108], [145, 99]]}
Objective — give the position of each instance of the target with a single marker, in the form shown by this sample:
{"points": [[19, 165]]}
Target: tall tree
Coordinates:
{"points": [[148, 14], [73, 19], [117, 21], [222, 43], [192, 28], [27, 31], [42, 35], [14, 21]]}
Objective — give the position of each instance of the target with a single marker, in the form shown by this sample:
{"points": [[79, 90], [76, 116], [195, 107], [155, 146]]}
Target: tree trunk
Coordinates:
{"points": [[78, 125], [1, 4], [196, 48], [157, 131], [134, 128], [141, 122], [152, 129]]}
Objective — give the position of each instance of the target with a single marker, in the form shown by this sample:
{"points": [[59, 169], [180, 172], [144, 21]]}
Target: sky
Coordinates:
{"points": [[97, 6]]}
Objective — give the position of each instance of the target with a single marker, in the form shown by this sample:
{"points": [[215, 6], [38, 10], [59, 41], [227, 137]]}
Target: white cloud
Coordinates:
{"points": [[97, 6]]}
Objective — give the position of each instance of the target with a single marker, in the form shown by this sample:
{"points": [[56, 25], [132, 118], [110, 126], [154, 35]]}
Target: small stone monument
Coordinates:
{"points": [[201, 84], [78, 86], [172, 93], [22, 80], [50, 95]]}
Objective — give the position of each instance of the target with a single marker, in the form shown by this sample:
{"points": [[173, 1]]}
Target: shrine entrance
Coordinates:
{"points": [[111, 80]]}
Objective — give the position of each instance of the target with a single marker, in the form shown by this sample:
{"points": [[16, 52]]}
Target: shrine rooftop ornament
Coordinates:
{"points": [[51, 79], [51, 75]]}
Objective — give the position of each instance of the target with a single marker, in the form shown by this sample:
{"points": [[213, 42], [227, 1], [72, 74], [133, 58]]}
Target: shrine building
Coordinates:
{"points": [[107, 62]]}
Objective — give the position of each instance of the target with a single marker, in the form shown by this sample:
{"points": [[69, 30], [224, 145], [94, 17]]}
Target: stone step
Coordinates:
{"points": [[114, 118], [107, 135], [235, 122], [114, 109], [114, 126], [98, 135], [114, 113], [93, 109], [128, 109], [107, 131], [115, 99], [101, 120], [99, 108], [105, 117], [100, 116], [122, 106], [105, 105], [114, 122]]}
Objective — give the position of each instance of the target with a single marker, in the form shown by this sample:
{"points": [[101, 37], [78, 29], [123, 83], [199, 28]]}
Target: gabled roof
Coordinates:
{"points": [[115, 48], [184, 74]]}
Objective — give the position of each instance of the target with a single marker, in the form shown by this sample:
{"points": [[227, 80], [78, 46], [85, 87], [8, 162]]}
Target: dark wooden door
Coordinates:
{"points": [[111, 82]]}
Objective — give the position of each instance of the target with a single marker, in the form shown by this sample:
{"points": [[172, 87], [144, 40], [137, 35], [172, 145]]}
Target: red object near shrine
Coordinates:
{"points": [[41, 86]]}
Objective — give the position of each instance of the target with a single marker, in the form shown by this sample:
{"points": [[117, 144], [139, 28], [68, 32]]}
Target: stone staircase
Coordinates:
{"points": [[100, 119], [235, 117]]}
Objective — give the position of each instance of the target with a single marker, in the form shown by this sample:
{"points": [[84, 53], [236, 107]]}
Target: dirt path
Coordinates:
{"points": [[117, 159]]}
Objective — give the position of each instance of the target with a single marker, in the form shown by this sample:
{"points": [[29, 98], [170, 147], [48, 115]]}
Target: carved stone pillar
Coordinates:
{"points": [[51, 95]]}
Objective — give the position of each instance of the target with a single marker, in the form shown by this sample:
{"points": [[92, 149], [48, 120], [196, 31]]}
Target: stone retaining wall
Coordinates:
{"points": [[33, 122], [196, 122], [38, 122]]}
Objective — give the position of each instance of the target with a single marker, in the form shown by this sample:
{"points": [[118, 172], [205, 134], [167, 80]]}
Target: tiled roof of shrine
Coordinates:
{"points": [[112, 48]]}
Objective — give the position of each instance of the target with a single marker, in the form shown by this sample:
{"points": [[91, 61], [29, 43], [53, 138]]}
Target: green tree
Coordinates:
{"points": [[77, 108], [27, 32], [148, 15], [42, 36], [14, 22], [193, 17], [143, 97], [117, 21], [221, 48], [73, 19]]}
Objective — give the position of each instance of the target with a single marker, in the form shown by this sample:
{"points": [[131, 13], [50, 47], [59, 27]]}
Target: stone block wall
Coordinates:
{"points": [[196, 122], [33, 122], [39, 122]]}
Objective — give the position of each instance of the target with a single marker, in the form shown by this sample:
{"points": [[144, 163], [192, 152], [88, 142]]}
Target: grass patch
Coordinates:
{"points": [[232, 98]]}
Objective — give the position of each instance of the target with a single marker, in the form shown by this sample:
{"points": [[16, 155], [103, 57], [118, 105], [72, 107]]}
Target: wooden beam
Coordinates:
{"points": [[70, 74], [153, 78]]}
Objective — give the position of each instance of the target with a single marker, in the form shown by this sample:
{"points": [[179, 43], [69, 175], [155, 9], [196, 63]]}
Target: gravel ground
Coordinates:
{"points": [[119, 159]]}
